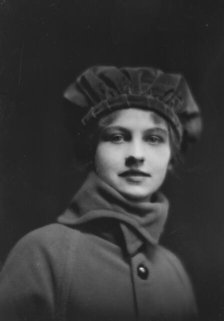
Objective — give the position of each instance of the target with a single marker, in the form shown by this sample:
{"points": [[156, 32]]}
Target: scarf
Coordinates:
{"points": [[140, 222]]}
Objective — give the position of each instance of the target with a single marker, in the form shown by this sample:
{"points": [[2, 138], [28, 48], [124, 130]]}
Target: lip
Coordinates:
{"points": [[134, 173]]}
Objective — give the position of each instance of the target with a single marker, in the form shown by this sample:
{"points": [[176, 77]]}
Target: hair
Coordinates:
{"points": [[87, 139]]}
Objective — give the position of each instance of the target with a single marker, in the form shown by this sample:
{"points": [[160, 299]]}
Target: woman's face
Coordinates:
{"points": [[133, 153]]}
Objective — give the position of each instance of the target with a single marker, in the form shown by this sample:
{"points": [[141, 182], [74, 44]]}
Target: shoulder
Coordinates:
{"points": [[38, 267], [171, 271], [48, 247], [175, 271], [172, 264], [170, 257], [49, 233], [49, 236], [40, 257]]}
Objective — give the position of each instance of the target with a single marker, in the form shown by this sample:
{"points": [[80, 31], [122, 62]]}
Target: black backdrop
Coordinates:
{"points": [[43, 45]]}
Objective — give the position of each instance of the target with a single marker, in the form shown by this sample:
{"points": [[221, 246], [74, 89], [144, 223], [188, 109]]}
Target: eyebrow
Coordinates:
{"points": [[158, 129], [110, 129]]}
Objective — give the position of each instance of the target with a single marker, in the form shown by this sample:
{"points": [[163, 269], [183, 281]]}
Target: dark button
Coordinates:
{"points": [[143, 271]]}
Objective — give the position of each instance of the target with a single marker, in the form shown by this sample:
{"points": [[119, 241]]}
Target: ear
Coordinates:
{"points": [[170, 167]]}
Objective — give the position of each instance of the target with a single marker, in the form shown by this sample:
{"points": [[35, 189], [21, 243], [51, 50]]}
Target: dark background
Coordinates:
{"points": [[43, 45]]}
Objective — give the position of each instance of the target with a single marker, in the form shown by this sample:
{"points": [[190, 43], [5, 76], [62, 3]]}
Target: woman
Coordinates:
{"points": [[102, 259]]}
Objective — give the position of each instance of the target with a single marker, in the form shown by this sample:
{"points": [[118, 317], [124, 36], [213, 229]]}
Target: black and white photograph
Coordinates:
{"points": [[111, 160]]}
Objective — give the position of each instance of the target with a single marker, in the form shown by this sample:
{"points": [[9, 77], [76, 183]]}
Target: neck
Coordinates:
{"points": [[97, 200]]}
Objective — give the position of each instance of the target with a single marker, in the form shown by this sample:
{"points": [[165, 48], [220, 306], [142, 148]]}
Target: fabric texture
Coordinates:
{"points": [[140, 221], [102, 261], [102, 89]]}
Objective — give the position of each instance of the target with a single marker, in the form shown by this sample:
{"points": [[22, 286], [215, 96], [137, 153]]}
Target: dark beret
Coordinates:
{"points": [[103, 89]]}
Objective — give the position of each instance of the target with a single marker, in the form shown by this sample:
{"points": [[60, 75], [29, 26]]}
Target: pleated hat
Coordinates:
{"points": [[100, 90]]}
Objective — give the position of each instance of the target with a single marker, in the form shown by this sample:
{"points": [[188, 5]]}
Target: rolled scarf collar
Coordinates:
{"points": [[140, 222]]}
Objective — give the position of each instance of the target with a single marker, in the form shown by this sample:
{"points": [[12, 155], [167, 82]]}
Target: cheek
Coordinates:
{"points": [[104, 160], [167, 158], [161, 160], [165, 166]]}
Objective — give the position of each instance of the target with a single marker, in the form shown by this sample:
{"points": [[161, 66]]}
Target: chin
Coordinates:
{"points": [[137, 196]]}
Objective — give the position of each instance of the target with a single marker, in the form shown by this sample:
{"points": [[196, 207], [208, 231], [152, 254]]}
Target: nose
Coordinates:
{"points": [[132, 161], [135, 156]]}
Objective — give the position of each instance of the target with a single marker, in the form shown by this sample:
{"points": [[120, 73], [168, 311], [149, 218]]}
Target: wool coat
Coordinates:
{"points": [[100, 261]]}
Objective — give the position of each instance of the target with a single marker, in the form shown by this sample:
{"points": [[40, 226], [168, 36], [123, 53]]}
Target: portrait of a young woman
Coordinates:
{"points": [[102, 259]]}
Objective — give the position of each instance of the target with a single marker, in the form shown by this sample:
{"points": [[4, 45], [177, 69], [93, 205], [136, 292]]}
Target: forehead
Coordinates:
{"points": [[135, 118]]}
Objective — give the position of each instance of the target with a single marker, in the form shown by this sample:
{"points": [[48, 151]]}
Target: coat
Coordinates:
{"points": [[98, 262]]}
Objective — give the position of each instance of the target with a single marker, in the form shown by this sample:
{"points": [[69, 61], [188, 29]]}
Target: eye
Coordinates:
{"points": [[154, 139], [117, 138], [114, 136]]}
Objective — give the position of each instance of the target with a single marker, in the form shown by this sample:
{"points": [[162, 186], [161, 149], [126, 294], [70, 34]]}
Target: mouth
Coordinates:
{"points": [[134, 173]]}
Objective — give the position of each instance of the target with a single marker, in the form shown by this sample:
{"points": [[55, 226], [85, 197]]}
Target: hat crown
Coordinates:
{"points": [[102, 89]]}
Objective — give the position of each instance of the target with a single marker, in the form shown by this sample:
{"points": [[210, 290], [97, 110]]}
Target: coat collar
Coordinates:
{"points": [[140, 222]]}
